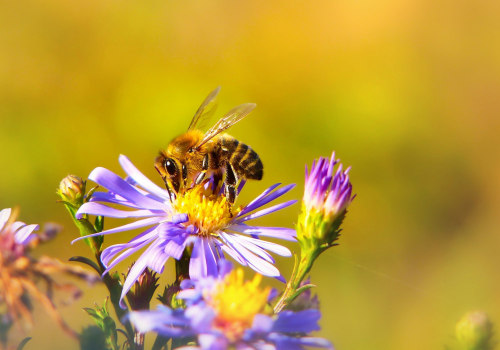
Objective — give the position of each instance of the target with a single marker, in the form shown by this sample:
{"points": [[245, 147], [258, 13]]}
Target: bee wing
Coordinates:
{"points": [[206, 109], [231, 118]]}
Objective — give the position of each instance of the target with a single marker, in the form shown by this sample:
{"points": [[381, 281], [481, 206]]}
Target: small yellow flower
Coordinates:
{"points": [[236, 302]]}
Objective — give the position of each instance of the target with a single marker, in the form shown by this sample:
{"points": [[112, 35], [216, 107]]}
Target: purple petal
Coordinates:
{"points": [[164, 321], [262, 323], [203, 261], [201, 317], [266, 199], [297, 322], [146, 236], [225, 267], [116, 184], [276, 232], [131, 226], [111, 251], [110, 197], [153, 257], [212, 342], [141, 179], [263, 194], [253, 248], [266, 211], [256, 263], [22, 236], [233, 253], [17, 225], [4, 217], [188, 294], [98, 209], [133, 275], [175, 248], [272, 247]]}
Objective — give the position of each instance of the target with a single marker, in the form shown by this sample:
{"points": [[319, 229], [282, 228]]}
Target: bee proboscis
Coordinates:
{"points": [[190, 157]]}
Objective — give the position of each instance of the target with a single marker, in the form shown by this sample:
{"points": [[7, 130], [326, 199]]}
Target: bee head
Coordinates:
{"points": [[169, 171], [173, 172]]}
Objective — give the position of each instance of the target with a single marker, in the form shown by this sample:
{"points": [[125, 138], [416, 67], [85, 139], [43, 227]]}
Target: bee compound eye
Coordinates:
{"points": [[170, 166]]}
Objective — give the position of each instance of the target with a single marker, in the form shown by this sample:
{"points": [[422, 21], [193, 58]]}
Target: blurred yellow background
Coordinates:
{"points": [[406, 92]]}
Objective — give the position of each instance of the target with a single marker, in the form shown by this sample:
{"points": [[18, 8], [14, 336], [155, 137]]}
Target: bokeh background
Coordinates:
{"points": [[406, 92]]}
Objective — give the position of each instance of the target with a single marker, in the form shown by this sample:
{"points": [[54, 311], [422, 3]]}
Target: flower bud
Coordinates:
{"points": [[143, 290], [72, 190], [169, 296], [327, 195], [475, 331]]}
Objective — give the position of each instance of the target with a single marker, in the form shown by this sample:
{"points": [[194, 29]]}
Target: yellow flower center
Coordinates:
{"points": [[236, 302], [206, 211]]}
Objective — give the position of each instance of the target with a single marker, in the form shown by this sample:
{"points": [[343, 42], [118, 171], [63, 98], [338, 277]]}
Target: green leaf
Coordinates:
{"points": [[99, 223], [23, 343], [86, 261], [93, 338]]}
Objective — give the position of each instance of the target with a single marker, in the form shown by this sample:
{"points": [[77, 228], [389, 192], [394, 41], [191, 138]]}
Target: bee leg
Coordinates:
{"points": [[204, 168], [230, 188], [200, 178], [184, 175], [217, 182]]}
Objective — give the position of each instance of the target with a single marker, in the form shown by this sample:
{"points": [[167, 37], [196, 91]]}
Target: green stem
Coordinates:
{"points": [[4, 330], [300, 271], [115, 290], [139, 341], [182, 266], [85, 228], [160, 342], [112, 283]]}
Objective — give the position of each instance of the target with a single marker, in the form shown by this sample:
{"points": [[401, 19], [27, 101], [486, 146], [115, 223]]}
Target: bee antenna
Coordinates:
{"points": [[169, 192], [164, 178]]}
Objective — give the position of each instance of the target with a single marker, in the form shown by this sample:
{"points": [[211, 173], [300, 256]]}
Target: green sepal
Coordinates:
{"points": [[103, 320]]}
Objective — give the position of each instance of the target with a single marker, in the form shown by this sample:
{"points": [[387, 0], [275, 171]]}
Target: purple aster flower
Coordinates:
{"points": [[327, 194], [19, 274], [14, 235], [200, 217], [327, 190], [226, 312]]}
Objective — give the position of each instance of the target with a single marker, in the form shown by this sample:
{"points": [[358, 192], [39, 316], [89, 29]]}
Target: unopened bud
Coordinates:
{"points": [[475, 331], [169, 296], [72, 190], [327, 194], [143, 290]]}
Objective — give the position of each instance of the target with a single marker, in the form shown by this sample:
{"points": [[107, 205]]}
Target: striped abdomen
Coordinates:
{"points": [[244, 160]]}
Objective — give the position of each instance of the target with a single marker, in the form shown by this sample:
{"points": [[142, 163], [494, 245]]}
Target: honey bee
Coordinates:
{"points": [[190, 157]]}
